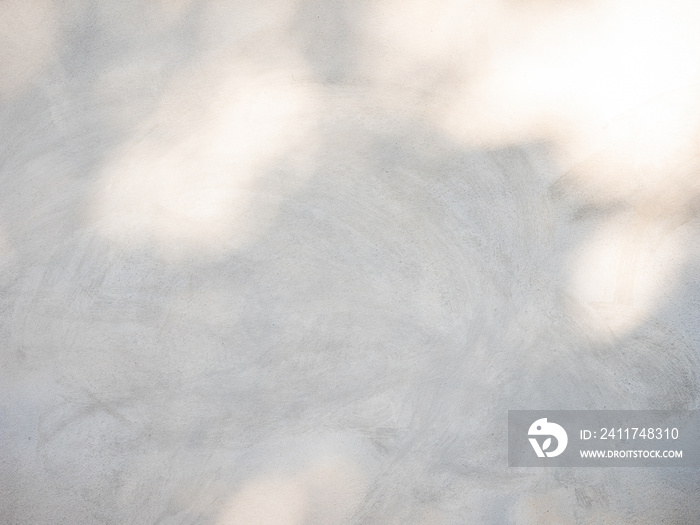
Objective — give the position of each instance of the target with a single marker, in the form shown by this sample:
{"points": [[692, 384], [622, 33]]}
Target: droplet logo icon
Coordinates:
{"points": [[543, 428]]}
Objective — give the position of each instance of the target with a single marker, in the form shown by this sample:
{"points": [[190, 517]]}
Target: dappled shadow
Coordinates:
{"points": [[270, 284]]}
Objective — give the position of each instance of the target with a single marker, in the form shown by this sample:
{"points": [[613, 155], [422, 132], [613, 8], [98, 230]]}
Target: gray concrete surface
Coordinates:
{"points": [[291, 262]]}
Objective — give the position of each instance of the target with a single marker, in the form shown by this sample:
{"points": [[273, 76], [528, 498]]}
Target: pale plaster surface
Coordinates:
{"points": [[291, 262]]}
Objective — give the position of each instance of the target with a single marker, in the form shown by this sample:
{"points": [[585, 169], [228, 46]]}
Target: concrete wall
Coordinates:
{"points": [[291, 262]]}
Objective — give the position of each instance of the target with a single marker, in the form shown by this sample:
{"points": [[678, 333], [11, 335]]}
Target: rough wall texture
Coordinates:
{"points": [[291, 262]]}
